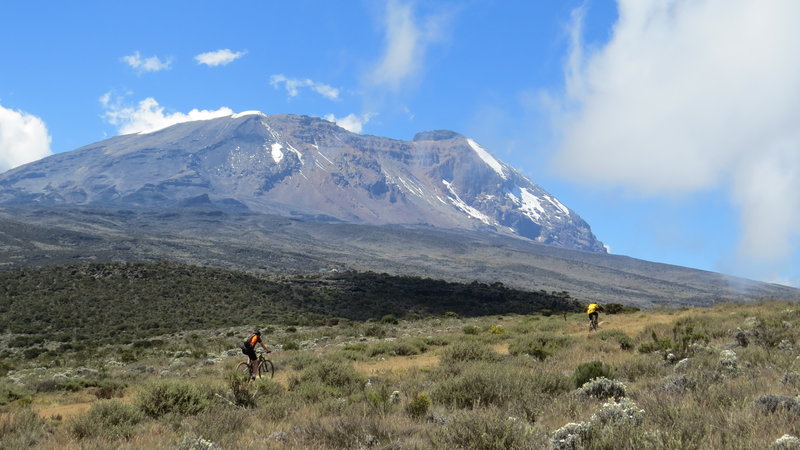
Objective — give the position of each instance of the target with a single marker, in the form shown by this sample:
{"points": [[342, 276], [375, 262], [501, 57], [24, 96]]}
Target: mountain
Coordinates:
{"points": [[308, 168], [296, 195]]}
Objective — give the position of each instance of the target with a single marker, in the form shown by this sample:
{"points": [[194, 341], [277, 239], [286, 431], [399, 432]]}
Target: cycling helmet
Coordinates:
{"points": [[257, 332]]}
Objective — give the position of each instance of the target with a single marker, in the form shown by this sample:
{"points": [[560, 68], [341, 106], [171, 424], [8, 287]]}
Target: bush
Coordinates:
{"points": [[10, 392], [418, 406], [618, 308], [484, 384], [571, 436], [110, 419], [171, 397], [107, 389], [484, 429], [21, 429], [539, 346], [349, 431], [240, 390], [590, 370], [290, 345], [390, 319], [603, 388], [625, 342], [269, 388], [468, 351], [471, 329], [339, 376]]}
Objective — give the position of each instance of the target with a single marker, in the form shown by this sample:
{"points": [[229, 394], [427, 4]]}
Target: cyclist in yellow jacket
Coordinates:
{"points": [[594, 312]]}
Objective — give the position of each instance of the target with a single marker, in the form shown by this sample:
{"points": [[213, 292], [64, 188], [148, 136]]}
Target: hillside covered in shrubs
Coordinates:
{"points": [[95, 304]]}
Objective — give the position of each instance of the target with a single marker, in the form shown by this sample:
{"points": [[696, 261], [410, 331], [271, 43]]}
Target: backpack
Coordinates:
{"points": [[246, 343]]}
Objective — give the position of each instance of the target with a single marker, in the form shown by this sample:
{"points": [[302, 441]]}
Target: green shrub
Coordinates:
{"points": [[390, 319], [171, 397], [341, 377], [106, 389], [539, 345], [291, 345], [625, 342], [312, 391], [110, 419], [484, 429], [471, 329], [591, 370], [468, 351], [484, 384], [418, 406], [352, 431], [269, 388], [239, 386], [618, 308], [375, 330], [397, 348], [10, 392]]}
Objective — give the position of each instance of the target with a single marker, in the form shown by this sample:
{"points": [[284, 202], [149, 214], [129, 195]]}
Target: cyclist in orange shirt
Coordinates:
{"points": [[249, 349]]}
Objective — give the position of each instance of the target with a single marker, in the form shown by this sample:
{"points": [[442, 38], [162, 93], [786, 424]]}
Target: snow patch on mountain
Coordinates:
{"points": [[277, 153], [460, 204], [488, 158], [557, 204], [530, 205]]}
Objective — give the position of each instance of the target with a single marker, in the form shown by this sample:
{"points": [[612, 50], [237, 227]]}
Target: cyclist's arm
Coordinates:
{"points": [[264, 347]]}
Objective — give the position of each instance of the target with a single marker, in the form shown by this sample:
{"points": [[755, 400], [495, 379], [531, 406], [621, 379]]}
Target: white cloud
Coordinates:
{"points": [[690, 95], [219, 57], [23, 139], [352, 122], [293, 86], [148, 116], [407, 41], [151, 64]]}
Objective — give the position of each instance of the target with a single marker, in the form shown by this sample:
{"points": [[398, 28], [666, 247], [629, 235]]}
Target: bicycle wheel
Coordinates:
{"points": [[243, 369], [266, 368]]}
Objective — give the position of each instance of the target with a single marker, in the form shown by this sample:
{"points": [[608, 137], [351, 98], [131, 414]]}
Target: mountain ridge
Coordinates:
{"points": [[288, 164]]}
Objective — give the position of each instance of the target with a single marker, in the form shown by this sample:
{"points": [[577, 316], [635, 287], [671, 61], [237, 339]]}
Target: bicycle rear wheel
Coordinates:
{"points": [[266, 368]]}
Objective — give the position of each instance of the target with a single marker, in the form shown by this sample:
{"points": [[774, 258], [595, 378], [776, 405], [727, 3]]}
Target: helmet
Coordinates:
{"points": [[257, 332]]}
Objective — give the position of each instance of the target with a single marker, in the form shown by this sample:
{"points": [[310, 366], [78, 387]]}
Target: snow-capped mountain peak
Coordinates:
{"points": [[305, 167]]}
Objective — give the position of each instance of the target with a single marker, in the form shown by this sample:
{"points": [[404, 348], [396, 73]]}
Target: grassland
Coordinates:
{"points": [[723, 377]]}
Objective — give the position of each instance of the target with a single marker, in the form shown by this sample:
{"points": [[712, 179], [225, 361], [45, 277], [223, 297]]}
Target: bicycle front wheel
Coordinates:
{"points": [[243, 369], [266, 368]]}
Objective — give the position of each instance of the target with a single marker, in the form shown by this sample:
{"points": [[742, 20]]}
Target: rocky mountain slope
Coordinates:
{"points": [[259, 243], [303, 167]]}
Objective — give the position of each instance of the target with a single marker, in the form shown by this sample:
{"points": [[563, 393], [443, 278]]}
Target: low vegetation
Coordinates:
{"points": [[722, 377], [55, 310]]}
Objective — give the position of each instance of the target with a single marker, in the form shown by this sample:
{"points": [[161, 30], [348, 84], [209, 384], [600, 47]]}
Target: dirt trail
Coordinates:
{"points": [[396, 363], [64, 412]]}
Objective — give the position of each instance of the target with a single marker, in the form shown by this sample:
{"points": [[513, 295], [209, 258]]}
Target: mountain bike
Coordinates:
{"points": [[593, 322], [265, 367]]}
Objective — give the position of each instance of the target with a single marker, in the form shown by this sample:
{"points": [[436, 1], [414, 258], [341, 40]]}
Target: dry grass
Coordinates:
{"points": [[700, 404]]}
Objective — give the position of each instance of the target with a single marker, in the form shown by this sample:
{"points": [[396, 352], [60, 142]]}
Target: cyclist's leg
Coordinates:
{"points": [[251, 355]]}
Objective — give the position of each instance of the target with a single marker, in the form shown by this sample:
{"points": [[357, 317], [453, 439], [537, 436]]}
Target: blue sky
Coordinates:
{"points": [[671, 126]]}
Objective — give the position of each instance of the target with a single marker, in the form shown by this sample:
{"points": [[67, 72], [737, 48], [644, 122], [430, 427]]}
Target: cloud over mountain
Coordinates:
{"points": [[694, 95], [23, 138], [148, 116]]}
